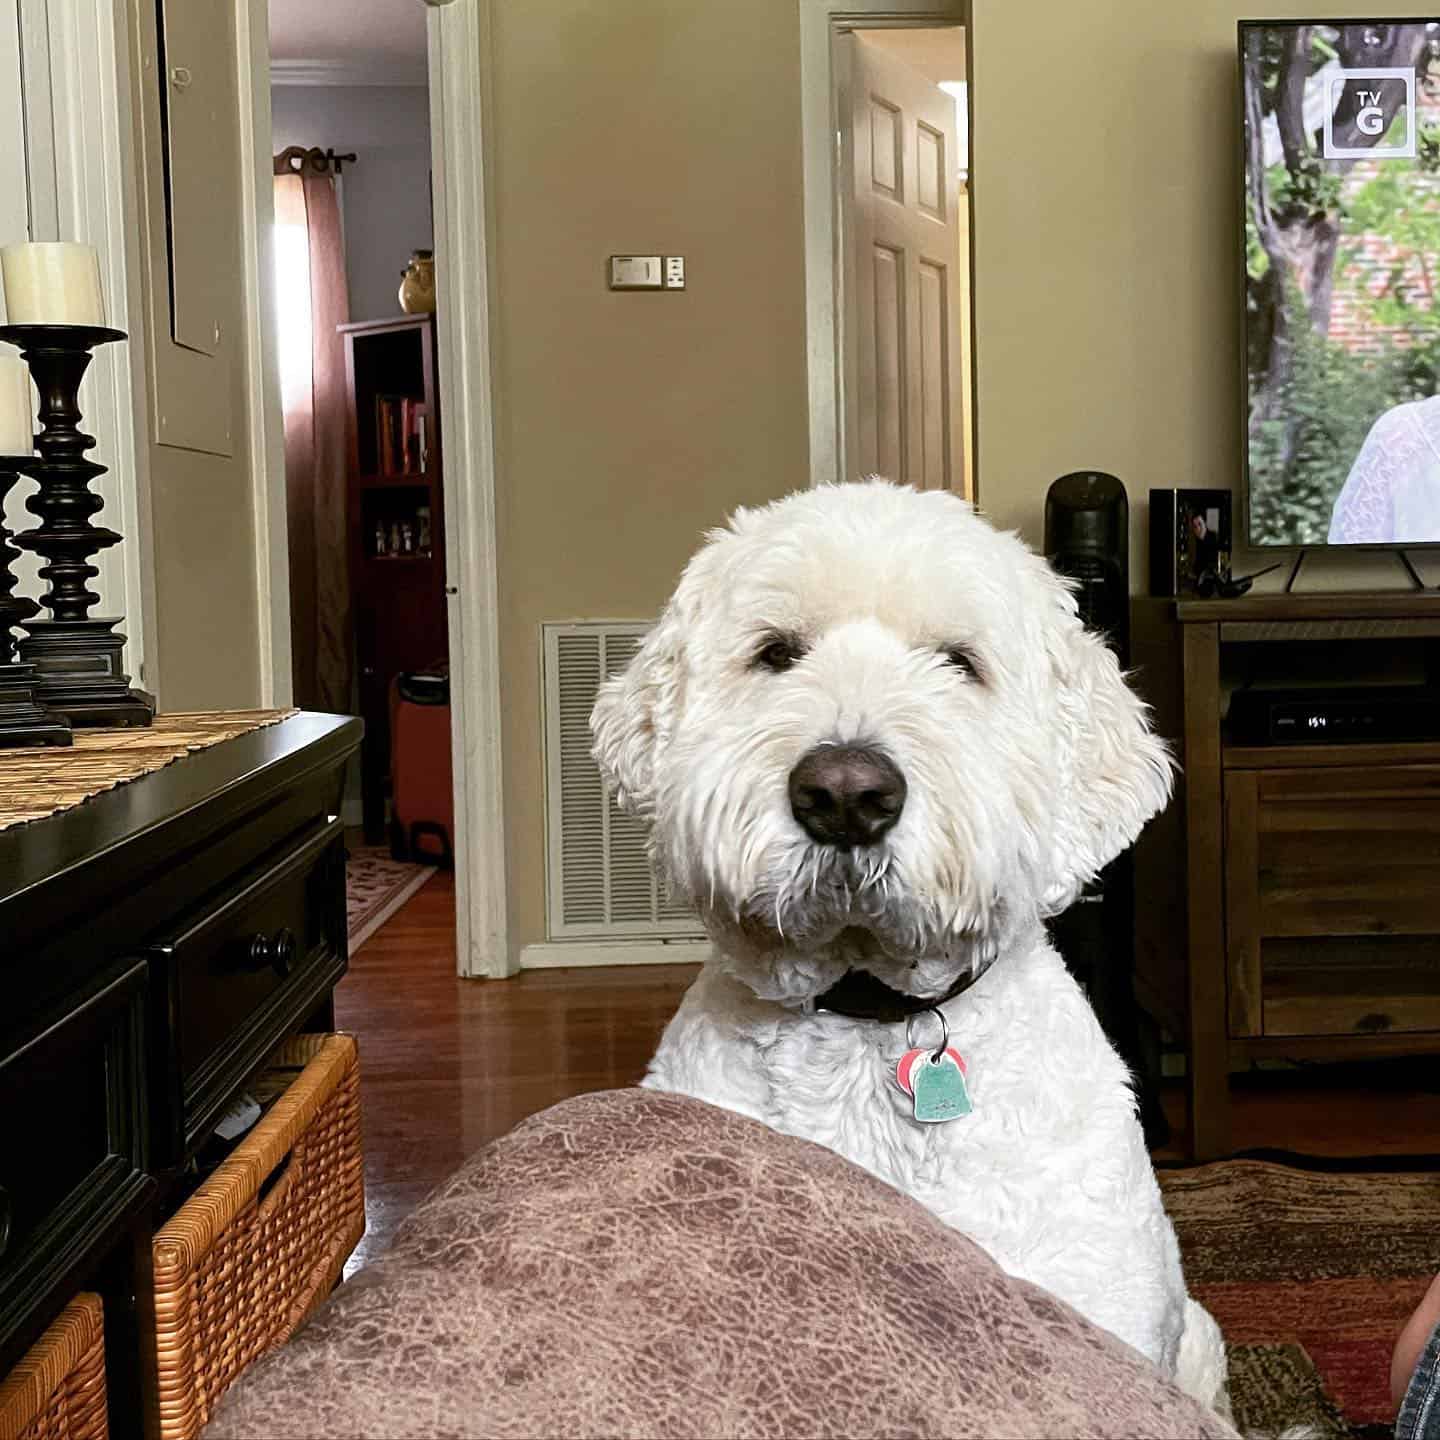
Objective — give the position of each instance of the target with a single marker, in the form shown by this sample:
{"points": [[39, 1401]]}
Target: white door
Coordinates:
{"points": [[901, 249]]}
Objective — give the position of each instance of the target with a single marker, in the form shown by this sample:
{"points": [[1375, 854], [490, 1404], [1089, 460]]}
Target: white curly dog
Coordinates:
{"points": [[878, 748]]}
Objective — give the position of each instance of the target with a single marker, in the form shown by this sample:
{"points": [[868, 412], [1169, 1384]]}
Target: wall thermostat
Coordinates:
{"points": [[635, 272], [647, 272]]}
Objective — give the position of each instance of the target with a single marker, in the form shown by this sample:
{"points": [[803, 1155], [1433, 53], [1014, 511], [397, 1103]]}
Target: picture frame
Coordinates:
{"points": [[1190, 536]]}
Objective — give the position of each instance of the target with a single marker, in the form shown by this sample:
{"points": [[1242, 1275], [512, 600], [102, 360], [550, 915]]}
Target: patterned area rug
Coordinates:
{"points": [[1311, 1276], [375, 888]]}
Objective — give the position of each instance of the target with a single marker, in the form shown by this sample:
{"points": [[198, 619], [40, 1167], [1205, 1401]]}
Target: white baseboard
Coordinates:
{"points": [[559, 955]]}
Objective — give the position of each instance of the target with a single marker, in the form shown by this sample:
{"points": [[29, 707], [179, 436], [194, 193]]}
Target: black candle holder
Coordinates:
{"points": [[78, 659], [22, 721]]}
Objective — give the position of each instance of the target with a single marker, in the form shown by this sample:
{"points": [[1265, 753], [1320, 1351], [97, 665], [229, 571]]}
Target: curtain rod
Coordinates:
{"points": [[296, 160]]}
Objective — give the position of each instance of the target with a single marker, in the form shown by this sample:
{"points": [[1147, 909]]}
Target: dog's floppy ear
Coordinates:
{"points": [[1115, 773], [631, 718]]}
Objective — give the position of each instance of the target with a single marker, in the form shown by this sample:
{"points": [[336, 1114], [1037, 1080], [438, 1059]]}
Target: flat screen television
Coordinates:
{"points": [[1341, 173]]}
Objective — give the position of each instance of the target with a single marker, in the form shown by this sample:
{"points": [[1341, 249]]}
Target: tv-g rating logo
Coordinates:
{"points": [[1373, 111]]}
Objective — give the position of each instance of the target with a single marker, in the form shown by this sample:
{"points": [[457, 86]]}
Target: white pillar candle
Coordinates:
{"points": [[17, 407], [52, 283]]}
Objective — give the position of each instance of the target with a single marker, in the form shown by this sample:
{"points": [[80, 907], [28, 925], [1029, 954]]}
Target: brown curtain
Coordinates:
{"points": [[310, 259]]}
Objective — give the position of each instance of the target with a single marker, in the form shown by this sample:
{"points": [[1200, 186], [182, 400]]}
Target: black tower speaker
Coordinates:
{"points": [[1087, 538]]}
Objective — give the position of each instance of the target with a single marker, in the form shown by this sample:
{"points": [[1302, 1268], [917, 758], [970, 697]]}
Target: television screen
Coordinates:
{"points": [[1342, 265]]}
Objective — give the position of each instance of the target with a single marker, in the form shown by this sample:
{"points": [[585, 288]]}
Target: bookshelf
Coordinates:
{"points": [[395, 514]]}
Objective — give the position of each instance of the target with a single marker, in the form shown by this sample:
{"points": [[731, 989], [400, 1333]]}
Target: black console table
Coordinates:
{"points": [[159, 940]]}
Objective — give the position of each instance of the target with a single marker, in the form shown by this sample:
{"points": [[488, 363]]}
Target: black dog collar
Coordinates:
{"points": [[858, 995]]}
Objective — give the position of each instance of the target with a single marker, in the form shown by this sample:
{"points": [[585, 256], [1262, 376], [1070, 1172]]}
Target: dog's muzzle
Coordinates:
{"points": [[846, 795]]}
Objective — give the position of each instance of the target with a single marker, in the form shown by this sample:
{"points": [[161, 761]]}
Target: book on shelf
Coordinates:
{"points": [[402, 441], [386, 423]]}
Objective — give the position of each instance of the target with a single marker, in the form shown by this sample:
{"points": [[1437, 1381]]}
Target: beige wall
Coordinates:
{"points": [[1107, 293], [628, 423]]}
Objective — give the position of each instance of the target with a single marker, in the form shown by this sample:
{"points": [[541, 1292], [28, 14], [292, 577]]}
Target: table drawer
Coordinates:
{"points": [[243, 971], [72, 1153]]}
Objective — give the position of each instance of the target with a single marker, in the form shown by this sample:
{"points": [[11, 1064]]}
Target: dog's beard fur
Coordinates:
{"points": [[819, 912]]}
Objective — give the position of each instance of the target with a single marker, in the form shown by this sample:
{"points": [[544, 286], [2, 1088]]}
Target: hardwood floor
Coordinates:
{"points": [[449, 1064]]}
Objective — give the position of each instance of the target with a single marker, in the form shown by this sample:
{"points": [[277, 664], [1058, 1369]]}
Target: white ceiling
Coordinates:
{"points": [[370, 33]]}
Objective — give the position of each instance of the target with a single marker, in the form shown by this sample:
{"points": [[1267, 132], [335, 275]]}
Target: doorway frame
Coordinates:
{"points": [[460, 79], [459, 89], [821, 22], [265, 419]]}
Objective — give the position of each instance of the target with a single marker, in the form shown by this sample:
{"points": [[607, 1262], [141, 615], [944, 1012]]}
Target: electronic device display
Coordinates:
{"points": [[1365, 715], [1341, 255]]}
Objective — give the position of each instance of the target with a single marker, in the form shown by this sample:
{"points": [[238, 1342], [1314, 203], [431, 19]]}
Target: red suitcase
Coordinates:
{"points": [[422, 800]]}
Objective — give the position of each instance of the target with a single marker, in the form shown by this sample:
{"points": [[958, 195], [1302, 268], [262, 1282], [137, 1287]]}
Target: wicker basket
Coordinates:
{"points": [[240, 1266], [57, 1392]]}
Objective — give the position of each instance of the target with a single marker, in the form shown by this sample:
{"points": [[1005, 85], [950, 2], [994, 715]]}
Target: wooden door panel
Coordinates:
{"points": [[888, 327], [887, 138], [934, 389], [931, 176]]}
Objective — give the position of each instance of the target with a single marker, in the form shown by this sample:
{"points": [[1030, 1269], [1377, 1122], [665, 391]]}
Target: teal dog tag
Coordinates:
{"points": [[938, 1089]]}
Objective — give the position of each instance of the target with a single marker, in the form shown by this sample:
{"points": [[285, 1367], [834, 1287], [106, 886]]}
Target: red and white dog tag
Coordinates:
{"points": [[933, 1076], [935, 1084]]}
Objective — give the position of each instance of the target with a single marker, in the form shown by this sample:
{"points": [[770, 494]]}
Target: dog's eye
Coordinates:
{"points": [[959, 658], [779, 652]]}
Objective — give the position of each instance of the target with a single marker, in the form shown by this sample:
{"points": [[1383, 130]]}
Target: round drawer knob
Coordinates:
{"points": [[277, 951]]}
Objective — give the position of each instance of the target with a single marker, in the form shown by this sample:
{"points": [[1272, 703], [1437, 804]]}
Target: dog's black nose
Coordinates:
{"points": [[846, 794]]}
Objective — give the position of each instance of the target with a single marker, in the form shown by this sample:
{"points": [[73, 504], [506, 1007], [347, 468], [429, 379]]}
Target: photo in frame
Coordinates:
{"points": [[1190, 536]]}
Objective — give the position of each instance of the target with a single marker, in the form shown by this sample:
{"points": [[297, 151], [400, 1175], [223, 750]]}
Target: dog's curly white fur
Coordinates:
{"points": [[915, 628]]}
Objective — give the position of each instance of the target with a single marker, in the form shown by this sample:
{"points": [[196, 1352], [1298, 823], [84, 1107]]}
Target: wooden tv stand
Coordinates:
{"points": [[1312, 871]]}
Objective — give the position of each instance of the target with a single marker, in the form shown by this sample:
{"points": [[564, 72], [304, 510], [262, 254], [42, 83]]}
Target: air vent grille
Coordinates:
{"points": [[601, 884]]}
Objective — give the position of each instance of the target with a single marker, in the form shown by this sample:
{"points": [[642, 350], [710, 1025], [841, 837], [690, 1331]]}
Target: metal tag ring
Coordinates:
{"points": [[944, 1030]]}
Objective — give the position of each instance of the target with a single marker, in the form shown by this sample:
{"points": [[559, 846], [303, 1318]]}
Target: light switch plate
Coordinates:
{"points": [[674, 272], [635, 272]]}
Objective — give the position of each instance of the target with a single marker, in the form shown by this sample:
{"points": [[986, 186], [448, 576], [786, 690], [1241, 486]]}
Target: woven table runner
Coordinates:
{"points": [[40, 781]]}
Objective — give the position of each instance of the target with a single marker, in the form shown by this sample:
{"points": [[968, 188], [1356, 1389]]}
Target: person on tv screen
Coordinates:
{"points": [[1392, 494]]}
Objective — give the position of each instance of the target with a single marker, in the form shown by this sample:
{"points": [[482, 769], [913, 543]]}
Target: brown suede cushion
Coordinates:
{"points": [[638, 1264]]}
